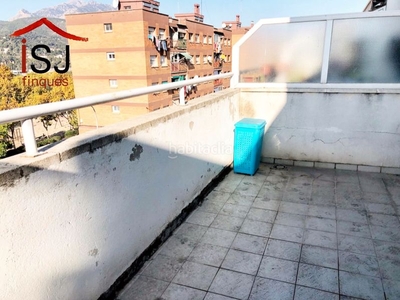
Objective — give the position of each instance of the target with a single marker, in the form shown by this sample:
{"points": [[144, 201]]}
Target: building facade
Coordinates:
{"points": [[138, 46]]}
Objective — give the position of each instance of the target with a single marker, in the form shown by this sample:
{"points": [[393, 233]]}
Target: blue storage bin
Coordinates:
{"points": [[247, 146]]}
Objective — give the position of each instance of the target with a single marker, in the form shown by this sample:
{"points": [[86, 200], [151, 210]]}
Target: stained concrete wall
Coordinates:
{"points": [[330, 126], [73, 219]]}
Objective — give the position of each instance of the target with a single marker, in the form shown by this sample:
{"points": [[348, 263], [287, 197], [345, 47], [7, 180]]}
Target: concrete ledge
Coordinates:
{"points": [[308, 164], [324, 165], [346, 167], [19, 166], [369, 169]]}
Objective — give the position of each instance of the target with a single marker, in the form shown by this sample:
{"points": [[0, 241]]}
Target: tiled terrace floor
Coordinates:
{"points": [[299, 233]]}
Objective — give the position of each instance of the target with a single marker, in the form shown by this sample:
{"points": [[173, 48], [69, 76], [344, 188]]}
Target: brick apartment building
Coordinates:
{"points": [[138, 46]]}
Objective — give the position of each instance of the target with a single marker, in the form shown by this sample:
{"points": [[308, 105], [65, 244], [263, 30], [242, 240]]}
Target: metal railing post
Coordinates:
{"points": [[28, 134], [182, 96]]}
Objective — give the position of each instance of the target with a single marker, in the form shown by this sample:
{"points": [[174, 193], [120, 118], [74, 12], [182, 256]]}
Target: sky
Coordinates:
{"points": [[217, 11]]}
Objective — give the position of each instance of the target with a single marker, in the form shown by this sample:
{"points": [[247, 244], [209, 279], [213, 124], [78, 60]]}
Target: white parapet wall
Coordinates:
{"points": [[358, 127], [73, 219]]}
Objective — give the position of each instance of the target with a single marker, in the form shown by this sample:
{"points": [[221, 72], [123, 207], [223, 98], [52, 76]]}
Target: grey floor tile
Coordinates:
{"points": [[287, 233], [195, 275], [178, 292], [177, 247], [229, 184], [385, 233], [360, 286], [191, 232], [250, 243], [232, 284], [300, 197], [219, 196], [354, 229], [327, 212], [384, 248], [356, 244], [262, 215], [384, 220], [163, 267], [283, 249], [294, 208], [290, 219], [321, 224], [248, 188], [211, 207], [320, 238], [256, 228], [271, 192], [212, 296], [376, 198], [343, 176], [318, 277], [238, 211], [390, 267], [208, 254], [358, 263], [264, 288], [243, 262], [380, 208], [219, 237], [392, 289], [352, 215], [305, 293], [143, 288], [266, 204], [237, 199], [201, 218], [323, 257], [227, 223], [278, 269]]}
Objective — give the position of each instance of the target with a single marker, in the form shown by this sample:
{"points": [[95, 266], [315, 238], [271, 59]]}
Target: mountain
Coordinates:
{"points": [[60, 10]]}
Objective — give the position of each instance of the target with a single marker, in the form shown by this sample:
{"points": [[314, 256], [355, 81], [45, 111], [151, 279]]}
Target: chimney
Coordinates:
{"points": [[237, 18], [251, 24], [197, 9]]}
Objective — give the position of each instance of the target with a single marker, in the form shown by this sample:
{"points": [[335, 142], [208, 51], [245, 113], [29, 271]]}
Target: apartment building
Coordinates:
{"points": [[139, 46]]}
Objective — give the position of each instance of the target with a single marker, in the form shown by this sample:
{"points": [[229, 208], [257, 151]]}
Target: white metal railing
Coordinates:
{"points": [[28, 113]]}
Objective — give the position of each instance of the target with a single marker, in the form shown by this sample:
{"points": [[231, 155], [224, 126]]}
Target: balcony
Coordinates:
{"points": [[100, 214], [179, 67], [180, 44]]}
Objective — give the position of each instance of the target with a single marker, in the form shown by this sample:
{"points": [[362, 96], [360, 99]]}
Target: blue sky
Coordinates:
{"points": [[216, 11]]}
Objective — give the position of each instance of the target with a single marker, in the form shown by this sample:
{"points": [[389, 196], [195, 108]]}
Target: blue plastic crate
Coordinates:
{"points": [[247, 146]]}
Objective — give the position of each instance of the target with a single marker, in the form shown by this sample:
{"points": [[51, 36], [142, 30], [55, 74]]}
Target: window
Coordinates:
{"points": [[113, 83], [228, 58], [115, 109], [205, 60], [163, 60], [229, 42], [204, 39], [225, 42], [197, 59], [161, 36], [107, 27], [164, 82], [197, 38], [210, 40], [192, 60], [110, 55], [127, 7], [153, 61], [191, 37], [151, 31]]}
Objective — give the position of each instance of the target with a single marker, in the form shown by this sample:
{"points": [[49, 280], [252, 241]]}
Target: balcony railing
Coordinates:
{"points": [[178, 67], [180, 44], [27, 114]]}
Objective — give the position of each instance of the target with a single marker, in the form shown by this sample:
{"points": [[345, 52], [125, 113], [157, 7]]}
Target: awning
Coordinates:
{"points": [[185, 55]]}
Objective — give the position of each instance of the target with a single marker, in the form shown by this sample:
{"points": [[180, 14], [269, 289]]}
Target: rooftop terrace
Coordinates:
{"points": [[80, 217], [292, 233]]}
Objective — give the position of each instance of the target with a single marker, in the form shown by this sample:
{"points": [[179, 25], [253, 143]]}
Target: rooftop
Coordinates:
{"points": [[285, 233]]}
